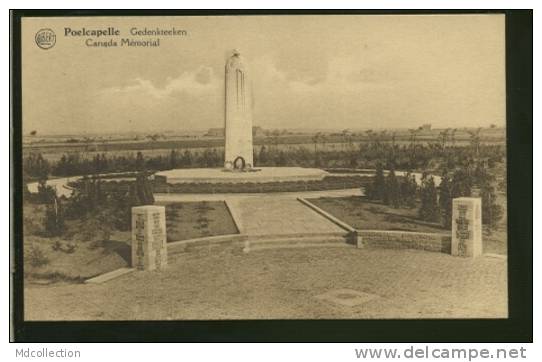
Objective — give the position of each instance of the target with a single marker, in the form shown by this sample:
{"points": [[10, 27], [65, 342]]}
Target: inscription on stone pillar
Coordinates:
{"points": [[462, 231], [140, 239], [467, 227], [149, 250]]}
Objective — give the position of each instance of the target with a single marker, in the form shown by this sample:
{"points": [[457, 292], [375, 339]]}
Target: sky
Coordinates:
{"points": [[328, 72]]}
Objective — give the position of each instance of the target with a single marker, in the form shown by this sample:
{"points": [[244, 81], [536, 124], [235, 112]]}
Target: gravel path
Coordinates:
{"points": [[255, 216]]}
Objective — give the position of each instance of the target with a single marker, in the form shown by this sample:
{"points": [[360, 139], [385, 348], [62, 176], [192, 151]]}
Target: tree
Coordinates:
{"points": [[429, 209], [187, 158], [36, 166], [392, 193], [173, 159], [492, 212], [353, 160], [461, 183], [408, 188], [54, 218], [445, 200], [46, 193], [144, 190], [475, 141], [281, 158], [140, 162], [263, 155], [377, 190]]}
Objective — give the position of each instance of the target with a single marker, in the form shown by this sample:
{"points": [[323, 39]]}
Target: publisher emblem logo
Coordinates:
{"points": [[45, 38]]}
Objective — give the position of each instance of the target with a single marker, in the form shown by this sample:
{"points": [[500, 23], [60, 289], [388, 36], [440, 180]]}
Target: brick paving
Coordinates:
{"points": [[224, 283]]}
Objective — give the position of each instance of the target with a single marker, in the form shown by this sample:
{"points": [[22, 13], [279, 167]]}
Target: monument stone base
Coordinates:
{"points": [[149, 249], [217, 175]]}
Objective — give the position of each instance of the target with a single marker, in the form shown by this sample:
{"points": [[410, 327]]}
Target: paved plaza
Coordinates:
{"points": [[224, 283]]}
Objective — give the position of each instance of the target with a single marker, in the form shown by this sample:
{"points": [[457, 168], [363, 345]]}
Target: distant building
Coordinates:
{"points": [[425, 127]]}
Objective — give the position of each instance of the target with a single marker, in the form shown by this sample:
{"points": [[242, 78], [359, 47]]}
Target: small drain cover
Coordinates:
{"points": [[347, 297]]}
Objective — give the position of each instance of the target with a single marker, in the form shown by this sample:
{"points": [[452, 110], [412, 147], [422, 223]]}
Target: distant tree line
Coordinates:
{"points": [[419, 157]]}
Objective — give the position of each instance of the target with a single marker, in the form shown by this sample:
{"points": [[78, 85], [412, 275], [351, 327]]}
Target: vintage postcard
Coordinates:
{"points": [[264, 167]]}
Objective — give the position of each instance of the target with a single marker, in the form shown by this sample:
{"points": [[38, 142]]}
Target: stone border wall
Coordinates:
{"points": [[388, 238], [407, 240], [329, 182]]}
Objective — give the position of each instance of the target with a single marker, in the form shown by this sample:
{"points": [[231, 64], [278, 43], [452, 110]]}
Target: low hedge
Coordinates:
{"points": [[327, 183]]}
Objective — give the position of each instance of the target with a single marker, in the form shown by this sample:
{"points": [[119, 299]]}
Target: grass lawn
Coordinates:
{"points": [[361, 213], [327, 183], [72, 258], [189, 220]]}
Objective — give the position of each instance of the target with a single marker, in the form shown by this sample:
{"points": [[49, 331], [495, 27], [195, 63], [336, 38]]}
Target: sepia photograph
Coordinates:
{"points": [[264, 167]]}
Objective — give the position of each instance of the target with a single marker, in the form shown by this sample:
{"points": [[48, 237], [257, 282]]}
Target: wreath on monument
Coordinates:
{"points": [[236, 163]]}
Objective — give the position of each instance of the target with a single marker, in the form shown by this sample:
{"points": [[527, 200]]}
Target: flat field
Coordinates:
{"points": [[189, 220]]}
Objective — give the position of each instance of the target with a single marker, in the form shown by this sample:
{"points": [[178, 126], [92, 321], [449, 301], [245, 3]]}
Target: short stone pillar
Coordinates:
{"points": [[149, 250], [356, 239], [359, 241], [467, 227]]}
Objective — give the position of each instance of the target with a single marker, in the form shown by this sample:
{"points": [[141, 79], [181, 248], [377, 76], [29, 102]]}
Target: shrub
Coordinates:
{"points": [[54, 218], [491, 211], [408, 190], [392, 190], [429, 208], [377, 191], [46, 193], [144, 190], [445, 201], [69, 248], [462, 183], [37, 257]]}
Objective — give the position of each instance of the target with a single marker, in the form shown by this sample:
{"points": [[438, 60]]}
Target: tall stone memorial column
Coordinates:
{"points": [[467, 227], [149, 250], [238, 150]]}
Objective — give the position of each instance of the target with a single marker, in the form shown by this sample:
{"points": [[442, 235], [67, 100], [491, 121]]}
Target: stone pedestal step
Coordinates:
{"points": [[298, 246], [297, 241], [295, 236]]}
